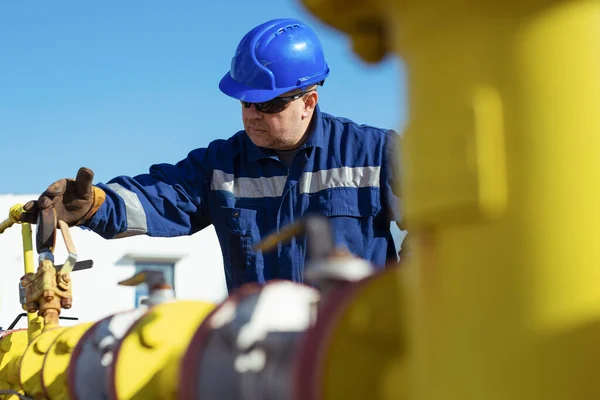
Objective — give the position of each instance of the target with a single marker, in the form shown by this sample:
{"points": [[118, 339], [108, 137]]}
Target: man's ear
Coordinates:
{"points": [[310, 102]]}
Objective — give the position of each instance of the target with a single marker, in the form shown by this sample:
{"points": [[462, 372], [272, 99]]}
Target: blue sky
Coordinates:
{"points": [[120, 85]]}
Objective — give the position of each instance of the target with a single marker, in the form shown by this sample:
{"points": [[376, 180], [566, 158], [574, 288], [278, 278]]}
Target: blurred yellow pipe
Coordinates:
{"points": [[500, 171]]}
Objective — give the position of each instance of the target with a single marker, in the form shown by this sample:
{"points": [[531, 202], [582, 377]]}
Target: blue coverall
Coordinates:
{"points": [[343, 171]]}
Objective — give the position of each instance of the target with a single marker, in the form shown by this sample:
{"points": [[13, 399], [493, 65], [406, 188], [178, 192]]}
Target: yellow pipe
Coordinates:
{"points": [[28, 261], [147, 361], [34, 324], [500, 164], [32, 362], [13, 217], [12, 346]]}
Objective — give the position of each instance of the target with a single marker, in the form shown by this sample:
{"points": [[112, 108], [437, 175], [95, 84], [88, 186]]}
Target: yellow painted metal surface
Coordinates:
{"points": [[34, 323], [12, 347], [56, 362], [500, 163], [13, 216], [34, 326], [147, 361], [32, 362], [363, 342]]}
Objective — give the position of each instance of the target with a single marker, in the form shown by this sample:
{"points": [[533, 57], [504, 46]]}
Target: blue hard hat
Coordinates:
{"points": [[273, 58]]}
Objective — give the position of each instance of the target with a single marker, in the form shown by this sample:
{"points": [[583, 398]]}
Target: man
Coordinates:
{"points": [[291, 159]]}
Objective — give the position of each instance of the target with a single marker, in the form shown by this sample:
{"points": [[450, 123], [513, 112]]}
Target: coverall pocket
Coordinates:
{"points": [[342, 202], [241, 227], [351, 216]]}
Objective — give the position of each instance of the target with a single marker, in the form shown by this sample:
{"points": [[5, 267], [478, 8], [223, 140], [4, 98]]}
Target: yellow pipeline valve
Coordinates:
{"points": [[32, 362], [146, 363], [12, 346], [56, 362]]}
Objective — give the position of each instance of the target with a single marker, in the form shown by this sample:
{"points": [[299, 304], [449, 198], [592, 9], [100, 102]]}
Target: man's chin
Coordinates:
{"points": [[260, 140]]}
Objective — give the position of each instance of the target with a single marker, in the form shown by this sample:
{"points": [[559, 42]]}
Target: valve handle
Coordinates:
{"points": [[47, 223], [319, 239], [154, 280], [45, 237], [72, 257], [79, 265]]}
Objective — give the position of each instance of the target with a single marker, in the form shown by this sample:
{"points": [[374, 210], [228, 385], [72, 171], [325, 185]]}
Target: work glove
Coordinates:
{"points": [[74, 200]]}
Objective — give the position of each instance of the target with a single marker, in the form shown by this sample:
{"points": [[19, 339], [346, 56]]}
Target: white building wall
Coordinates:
{"points": [[198, 268]]}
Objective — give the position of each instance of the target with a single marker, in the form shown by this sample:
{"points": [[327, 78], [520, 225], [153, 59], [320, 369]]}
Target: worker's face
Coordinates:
{"points": [[282, 130]]}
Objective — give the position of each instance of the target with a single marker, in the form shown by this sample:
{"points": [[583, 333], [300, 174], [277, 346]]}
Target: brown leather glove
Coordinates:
{"points": [[75, 200]]}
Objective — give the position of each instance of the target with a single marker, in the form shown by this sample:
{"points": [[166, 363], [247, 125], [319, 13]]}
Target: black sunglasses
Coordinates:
{"points": [[275, 105]]}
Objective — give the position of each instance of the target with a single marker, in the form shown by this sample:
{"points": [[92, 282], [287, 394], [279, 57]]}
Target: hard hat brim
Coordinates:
{"points": [[242, 92]]}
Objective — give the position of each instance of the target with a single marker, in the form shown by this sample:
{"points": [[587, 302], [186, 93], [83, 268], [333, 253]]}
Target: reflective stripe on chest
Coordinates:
{"points": [[310, 182]]}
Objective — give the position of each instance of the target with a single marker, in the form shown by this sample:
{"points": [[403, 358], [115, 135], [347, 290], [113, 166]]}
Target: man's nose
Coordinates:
{"points": [[252, 112]]}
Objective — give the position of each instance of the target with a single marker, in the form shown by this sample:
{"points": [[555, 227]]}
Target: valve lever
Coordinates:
{"points": [[72, 257]]}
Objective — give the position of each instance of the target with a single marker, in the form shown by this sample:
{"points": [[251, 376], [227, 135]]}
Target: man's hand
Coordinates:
{"points": [[75, 200]]}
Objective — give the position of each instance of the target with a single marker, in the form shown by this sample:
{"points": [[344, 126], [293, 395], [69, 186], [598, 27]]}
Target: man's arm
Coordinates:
{"points": [[390, 177], [390, 192], [170, 200]]}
